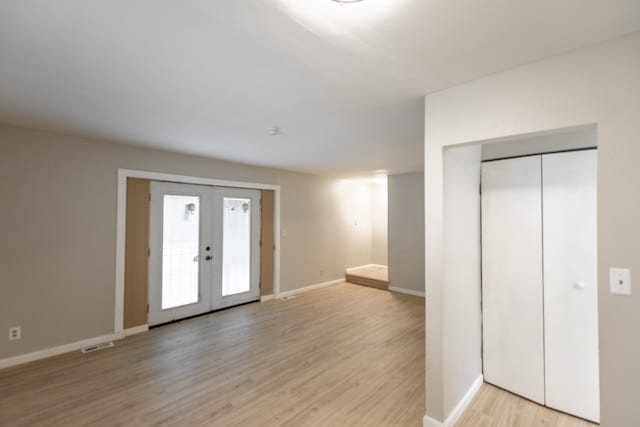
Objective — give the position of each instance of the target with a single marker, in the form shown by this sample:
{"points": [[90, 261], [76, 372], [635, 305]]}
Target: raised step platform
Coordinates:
{"points": [[375, 276]]}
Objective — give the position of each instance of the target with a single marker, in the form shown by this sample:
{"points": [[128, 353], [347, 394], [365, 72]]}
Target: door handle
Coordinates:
{"points": [[208, 258], [579, 286]]}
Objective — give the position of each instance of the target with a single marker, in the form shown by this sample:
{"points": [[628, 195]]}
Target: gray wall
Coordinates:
{"points": [[598, 85], [406, 231], [58, 229]]}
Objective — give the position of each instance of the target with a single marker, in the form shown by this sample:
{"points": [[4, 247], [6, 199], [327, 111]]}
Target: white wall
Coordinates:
{"points": [[58, 229], [367, 214], [597, 85], [406, 231], [580, 138], [462, 283], [352, 203]]}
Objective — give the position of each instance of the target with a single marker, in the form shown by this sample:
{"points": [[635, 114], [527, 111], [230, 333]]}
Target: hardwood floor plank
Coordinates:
{"points": [[343, 355], [495, 407]]}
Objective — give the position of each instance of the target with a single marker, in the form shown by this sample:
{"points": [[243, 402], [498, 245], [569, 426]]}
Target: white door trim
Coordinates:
{"points": [[121, 224]]}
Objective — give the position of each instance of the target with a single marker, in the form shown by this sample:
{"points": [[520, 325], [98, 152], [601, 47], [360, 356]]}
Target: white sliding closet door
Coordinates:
{"points": [[570, 283], [512, 296]]}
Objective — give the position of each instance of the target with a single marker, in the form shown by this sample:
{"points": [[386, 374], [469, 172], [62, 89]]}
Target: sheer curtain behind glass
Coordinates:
{"points": [[236, 259], [180, 250]]}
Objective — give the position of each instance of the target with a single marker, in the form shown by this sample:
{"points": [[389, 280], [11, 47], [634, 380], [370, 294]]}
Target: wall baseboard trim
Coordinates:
{"points": [[427, 421], [267, 297], [406, 291], [352, 269], [457, 412], [310, 288], [67, 348]]}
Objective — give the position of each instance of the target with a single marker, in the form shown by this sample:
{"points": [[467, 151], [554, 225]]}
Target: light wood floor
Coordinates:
{"points": [[377, 272], [493, 407], [341, 356], [375, 276], [345, 355]]}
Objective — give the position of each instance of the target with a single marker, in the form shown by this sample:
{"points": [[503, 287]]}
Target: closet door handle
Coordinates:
{"points": [[579, 286], [208, 258]]}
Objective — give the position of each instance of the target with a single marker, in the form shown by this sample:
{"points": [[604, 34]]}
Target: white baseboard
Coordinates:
{"points": [[353, 269], [406, 291], [457, 412], [67, 348], [310, 288], [427, 421], [267, 297]]}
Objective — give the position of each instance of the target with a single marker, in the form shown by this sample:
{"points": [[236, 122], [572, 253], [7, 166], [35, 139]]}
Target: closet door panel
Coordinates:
{"points": [[512, 293], [570, 283]]}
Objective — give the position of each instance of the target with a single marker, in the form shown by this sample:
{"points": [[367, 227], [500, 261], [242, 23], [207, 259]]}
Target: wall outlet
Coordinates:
{"points": [[15, 333], [620, 281]]}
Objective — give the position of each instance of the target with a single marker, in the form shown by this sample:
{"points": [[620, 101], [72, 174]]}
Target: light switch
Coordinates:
{"points": [[620, 281]]}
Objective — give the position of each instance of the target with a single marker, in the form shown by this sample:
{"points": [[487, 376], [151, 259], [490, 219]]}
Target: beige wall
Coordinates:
{"points": [[406, 231], [379, 211], [58, 230], [597, 85]]}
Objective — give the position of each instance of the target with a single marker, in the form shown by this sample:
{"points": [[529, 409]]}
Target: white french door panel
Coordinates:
{"points": [[179, 271], [512, 292], [570, 277], [204, 249], [237, 214]]}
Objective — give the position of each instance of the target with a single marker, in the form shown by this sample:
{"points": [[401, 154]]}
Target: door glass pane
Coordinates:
{"points": [[180, 250], [236, 242]]}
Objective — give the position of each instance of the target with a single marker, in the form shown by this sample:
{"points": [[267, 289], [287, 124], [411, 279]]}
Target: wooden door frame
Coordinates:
{"points": [[121, 224]]}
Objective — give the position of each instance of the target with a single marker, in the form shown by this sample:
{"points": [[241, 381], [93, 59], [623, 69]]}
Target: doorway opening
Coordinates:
{"points": [[194, 246], [204, 249], [522, 292]]}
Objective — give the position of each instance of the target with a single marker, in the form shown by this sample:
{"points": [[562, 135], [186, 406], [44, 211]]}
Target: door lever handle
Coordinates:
{"points": [[579, 286], [208, 258]]}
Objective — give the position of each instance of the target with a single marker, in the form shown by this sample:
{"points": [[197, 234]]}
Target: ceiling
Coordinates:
{"points": [[343, 83]]}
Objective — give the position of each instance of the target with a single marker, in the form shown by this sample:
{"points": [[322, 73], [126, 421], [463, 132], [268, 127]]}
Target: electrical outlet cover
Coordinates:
{"points": [[15, 333], [620, 281]]}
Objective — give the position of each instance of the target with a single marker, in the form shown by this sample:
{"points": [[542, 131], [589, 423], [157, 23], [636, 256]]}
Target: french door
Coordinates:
{"points": [[204, 249]]}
